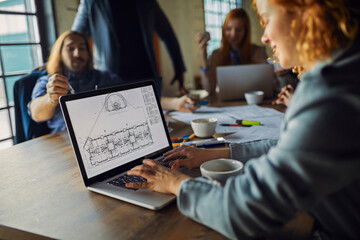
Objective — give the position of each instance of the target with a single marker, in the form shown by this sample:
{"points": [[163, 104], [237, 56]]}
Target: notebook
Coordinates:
{"points": [[113, 130], [234, 81]]}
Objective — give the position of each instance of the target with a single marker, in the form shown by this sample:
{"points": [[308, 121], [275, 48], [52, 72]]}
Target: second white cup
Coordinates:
{"points": [[204, 127]]}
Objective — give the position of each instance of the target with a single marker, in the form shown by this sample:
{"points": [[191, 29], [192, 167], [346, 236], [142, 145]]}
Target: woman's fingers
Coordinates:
{"points": [[181, 163], [180, 152], [173, 154], [137, 185], [290, 87], [152, 163], [142, 171], [170, 152]]}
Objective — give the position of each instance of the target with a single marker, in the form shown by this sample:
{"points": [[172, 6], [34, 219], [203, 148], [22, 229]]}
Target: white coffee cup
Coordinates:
{"points": [[254, 97], [204, 127], [221, 169]]}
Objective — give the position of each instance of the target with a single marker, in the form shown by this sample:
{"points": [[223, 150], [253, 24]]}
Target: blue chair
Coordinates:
{"points": [[25, 127]]}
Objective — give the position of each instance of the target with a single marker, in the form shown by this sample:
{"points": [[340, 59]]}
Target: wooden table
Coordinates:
{"points": [[43, 196], [42, 193]]}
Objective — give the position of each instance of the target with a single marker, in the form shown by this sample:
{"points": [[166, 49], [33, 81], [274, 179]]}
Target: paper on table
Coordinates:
{"points": [[269, 118], [269, 130], [202, 112]]}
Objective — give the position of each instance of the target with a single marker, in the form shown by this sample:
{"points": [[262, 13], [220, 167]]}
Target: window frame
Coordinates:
{"points": [[44, 15], [221, 15]]}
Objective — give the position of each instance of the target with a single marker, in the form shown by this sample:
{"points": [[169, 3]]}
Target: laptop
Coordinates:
{"points": [[111, 131], [234, 81]]}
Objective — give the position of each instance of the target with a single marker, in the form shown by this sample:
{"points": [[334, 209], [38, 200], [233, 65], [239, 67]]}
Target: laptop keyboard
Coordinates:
{"points": [[122, 180]]}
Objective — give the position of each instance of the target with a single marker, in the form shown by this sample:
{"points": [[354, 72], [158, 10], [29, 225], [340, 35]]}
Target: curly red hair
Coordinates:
{"points": [[324, 25]]}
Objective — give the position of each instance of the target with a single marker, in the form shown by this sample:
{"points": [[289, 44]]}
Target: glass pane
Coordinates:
{"points": [[2, 93], [10, 81], [12, 113], [0, 68], [21, 58], [17, 5], [5, 125], [18, 29], [6, 144]]}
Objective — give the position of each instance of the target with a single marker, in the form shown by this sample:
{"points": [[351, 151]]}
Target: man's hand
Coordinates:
{"points": [[57, 86], [186, 104]]}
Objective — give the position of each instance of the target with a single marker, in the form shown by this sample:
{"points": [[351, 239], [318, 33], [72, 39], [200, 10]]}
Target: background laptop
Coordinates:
{"points": [[234, 81], [113, 130]]}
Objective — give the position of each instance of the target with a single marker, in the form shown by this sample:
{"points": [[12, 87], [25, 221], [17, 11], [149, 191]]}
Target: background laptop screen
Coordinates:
{"points": [[116, 128]]}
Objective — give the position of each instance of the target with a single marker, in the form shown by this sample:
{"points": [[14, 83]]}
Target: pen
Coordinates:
{"points": [[179, 140], [71, 89], [191, 137], [204, 142], [247, 122], [201, 103], [211, 145], [234, 125]]}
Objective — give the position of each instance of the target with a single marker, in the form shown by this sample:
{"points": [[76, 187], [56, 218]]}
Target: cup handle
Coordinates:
{"points": [[209, 178], [214, 182]]}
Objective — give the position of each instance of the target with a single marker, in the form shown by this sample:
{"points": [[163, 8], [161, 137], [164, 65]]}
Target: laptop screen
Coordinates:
{"points": [[114, 128]]}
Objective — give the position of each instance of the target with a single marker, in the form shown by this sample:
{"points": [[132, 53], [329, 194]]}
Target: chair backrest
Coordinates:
{"points": [[25, 127]]}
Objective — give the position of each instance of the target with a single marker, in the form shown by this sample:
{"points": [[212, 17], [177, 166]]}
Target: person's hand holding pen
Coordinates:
{"points": [[179, 104], [285, 96], [57, 86], [186, 104]]}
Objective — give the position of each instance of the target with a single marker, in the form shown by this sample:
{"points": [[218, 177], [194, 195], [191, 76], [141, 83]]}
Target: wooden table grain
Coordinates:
{"points": [[42, 196], [42, 193]]}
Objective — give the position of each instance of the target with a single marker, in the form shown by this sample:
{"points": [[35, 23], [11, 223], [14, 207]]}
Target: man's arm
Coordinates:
{"points": [[167, 35], [42, 108]]}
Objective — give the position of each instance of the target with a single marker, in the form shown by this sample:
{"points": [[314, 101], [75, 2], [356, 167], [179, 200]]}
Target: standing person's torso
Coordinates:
{"points": [[133, 59]]}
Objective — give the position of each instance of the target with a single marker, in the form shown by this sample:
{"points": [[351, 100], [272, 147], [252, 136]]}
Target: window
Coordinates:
{"points": [[20, 52], [215, 13]]}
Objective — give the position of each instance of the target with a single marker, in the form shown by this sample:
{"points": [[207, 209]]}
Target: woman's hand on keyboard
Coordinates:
{"points": [[159, 178], [192, 156]]}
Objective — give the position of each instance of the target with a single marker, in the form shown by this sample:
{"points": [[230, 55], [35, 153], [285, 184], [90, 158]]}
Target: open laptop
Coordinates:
{"points": [[234, 81], [111, 131]]}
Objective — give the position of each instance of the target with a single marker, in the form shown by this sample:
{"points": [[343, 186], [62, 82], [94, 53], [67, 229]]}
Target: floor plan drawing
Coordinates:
{"points": [[116, 144], [116, 126], [118, 129]]}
